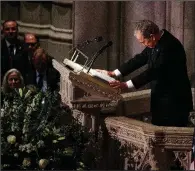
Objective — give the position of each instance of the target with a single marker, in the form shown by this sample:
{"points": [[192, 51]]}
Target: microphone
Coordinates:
{"points": [[103, 48], [98, 53]]}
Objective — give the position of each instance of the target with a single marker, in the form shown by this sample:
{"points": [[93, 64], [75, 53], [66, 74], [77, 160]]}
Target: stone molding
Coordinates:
{"points": [[136, 95], [146, 94], [149, 146], [95, 87], [62, 2], [66, 87], [48, 30], [146, 135], [193, 96]]}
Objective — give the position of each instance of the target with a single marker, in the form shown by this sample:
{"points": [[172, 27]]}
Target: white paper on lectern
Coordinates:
{"points": [[77, 68]]}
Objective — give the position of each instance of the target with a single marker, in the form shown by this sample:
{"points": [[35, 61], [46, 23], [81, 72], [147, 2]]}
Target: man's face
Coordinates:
{"points": [[148, 42], [40, 63], [31, 42], [10, 30], [14, 80]]}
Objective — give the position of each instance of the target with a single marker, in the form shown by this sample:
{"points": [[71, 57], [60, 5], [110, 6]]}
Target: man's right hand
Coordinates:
{"points": [[110, 73]]}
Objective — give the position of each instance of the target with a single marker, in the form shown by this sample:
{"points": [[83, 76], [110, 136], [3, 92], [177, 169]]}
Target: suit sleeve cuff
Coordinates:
{"points": [[117, 72], [130, 84]]}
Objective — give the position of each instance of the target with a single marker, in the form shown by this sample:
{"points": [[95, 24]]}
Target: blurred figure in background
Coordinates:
{"points": [[44, 76], [31, 44], [12, 79], [12, 49]]}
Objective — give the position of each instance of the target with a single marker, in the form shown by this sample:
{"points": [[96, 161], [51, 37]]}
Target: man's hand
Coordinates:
{"points": [[117, 84], [110, 73]]}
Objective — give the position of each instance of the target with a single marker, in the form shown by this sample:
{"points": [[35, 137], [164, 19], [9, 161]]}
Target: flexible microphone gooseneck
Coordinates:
{"points": [[98, 53]]}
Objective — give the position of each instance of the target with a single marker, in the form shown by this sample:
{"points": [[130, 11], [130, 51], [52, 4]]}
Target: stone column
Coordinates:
{"points": [[99, 19], [189, 41]]}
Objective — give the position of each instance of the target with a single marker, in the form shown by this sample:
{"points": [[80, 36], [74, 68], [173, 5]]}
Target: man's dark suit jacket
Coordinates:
{"points": [[52, 76], [167, 72], [19, 60]]}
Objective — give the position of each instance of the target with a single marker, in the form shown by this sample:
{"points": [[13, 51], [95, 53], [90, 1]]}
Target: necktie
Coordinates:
{"points": [[153, 50], [11, 55], [40, 81], [11, 50]]}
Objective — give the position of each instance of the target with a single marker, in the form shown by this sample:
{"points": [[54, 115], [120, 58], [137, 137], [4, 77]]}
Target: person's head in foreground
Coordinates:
{"points": [[12, 79], [147, 33], [40, 60], [31, 41]]}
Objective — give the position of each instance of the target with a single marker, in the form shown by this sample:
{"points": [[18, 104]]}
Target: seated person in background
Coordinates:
{"points": [[12, 79], [31, 44], [12, 50], [44, 76]]}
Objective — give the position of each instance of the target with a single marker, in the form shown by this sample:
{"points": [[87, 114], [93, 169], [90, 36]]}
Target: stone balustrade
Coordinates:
{"points": [[151, 147], [142, 146]]}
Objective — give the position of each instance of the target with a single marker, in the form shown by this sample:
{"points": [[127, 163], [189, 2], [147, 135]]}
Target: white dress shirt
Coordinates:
{"points": [[130, 83], [8, 45], [44, 87]]}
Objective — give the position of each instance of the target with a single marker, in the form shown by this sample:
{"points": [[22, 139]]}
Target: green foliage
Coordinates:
{"points": [[38, 133]]}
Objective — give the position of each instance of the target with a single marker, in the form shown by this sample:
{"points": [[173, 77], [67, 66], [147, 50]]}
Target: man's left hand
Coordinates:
{"points": [[117, 84]]}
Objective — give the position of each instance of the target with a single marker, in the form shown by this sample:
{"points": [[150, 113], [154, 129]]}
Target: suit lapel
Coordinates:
{"points": [[18, 49], [155, 55], [5, 50], [5, 58]]}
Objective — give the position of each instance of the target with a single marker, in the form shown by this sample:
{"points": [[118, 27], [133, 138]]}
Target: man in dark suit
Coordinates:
{"points": [[44, 76], [12, 49], [171, 96], [31, 44]]}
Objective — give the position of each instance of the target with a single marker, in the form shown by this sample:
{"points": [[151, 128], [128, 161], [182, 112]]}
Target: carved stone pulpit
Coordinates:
{"points": [[147, 146], [86, 95]]}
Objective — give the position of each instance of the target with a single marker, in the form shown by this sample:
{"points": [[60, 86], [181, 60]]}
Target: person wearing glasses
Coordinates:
{"points": [[42, 74], [13, 54], [31, 44]]}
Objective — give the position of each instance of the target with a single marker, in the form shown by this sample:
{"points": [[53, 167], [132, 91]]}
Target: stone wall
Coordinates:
{"points": [[114, 21], [63, 23], [59, 24], [50, 20]]}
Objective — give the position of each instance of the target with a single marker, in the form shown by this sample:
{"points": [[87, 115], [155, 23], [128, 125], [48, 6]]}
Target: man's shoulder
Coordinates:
{"points": [[168, 38], [169, 42], [20, 42], [4, 48], [3, 43]]}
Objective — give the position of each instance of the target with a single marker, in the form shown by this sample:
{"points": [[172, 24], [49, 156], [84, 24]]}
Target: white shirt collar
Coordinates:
{"points": [[37, 73]]}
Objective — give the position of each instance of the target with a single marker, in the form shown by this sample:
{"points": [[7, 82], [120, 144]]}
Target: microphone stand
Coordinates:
{"points": [[93, 60], [98, 53]]}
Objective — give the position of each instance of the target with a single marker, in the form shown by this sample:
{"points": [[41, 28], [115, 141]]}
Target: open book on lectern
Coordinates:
{"points": [[78, 68], [93, 81]]}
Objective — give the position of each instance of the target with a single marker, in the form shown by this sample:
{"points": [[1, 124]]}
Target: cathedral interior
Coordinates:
{"points": [[62, 25]]}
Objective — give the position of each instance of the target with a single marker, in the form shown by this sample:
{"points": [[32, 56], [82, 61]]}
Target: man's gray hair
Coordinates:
{"points": [[5, 86], [146, 27]]}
